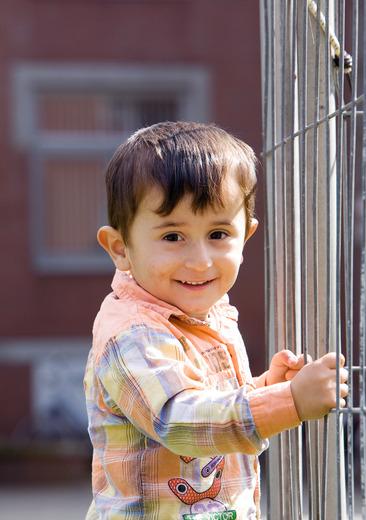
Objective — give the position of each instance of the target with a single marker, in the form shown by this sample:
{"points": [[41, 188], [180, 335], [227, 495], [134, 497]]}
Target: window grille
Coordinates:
{"points": [[70, 120]]}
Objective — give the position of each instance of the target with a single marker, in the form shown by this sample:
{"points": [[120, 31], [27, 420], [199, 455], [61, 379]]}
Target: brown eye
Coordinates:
{"points": [[172, 237], [218, 235]]}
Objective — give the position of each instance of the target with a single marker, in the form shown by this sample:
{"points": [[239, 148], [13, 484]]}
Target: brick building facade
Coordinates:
{"points": [[77, 77]]}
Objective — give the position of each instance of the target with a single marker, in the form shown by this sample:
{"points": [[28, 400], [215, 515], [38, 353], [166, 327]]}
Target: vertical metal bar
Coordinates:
{"points": [[303, 164], [362, 324], [314, 190], [303, 227], [273, 455], [338, 253], [276, 186], [281, 182], [348, 260], [286, 111], [273, 498], [290, 172], [293, 169], [328, 256], [315, 239], [295, 436], [273, 172], [266, 94], [324, 484], [282, 177], [349, 243], [265, 44]]}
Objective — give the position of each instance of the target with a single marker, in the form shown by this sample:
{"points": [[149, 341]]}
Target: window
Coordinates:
{"points": [[69, 120]]}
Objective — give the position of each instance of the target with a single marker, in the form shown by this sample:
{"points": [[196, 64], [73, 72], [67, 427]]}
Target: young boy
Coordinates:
{"points": [[175, 418]]}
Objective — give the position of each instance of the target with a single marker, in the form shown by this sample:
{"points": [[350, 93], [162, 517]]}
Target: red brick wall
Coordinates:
{"points": [[15, 400], [221, 35]]}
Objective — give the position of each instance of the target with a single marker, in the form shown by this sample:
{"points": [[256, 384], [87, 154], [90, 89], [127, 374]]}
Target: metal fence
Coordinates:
{"points": [[314, 157]]}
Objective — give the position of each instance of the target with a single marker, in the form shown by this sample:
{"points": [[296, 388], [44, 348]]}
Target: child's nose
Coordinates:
{"points": [[198, 257]]}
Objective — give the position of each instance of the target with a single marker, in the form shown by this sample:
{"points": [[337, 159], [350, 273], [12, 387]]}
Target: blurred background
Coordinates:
{"points": [[77, 77]]}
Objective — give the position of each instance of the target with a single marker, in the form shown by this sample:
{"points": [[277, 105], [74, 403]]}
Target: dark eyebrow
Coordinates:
{"points": [[169, 224], [222, 223], [173, 224]]}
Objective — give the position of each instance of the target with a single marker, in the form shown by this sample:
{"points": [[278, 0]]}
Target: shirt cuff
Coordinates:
{"points": [[273, 409]]}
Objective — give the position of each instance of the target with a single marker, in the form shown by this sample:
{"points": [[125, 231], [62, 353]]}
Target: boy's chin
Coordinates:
{"points": [[197, 314]]}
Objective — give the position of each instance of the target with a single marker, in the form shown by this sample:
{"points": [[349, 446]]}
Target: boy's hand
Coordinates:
{"points": [[284, 366], [314, 387]]}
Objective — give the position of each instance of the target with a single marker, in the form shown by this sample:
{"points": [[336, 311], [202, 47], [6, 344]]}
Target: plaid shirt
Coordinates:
{"points": [[175, 418]]}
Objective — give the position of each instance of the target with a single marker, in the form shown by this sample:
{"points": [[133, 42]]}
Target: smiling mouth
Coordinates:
{"points": [[194, 284]]}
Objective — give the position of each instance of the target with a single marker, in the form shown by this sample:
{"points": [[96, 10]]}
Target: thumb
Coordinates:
{"points": [[291, 359]]}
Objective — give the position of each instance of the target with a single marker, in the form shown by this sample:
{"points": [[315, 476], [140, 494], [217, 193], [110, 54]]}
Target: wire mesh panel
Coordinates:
{"points": [[315, 174]]}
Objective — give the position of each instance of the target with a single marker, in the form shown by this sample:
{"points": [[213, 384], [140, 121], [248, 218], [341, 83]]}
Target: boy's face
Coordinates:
{"points": [[189, 260]]}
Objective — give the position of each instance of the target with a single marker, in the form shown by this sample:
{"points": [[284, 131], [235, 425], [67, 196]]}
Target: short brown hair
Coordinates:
{"points": [[180, 158]]}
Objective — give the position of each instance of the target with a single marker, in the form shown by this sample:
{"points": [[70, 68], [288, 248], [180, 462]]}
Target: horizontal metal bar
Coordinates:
{"points": [[352, 410], [314, 124], [357, 113]]}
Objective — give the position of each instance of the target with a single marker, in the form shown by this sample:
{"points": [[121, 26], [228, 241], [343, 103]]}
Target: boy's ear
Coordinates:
{"points": [[111, 240], [250, 232], [251, 229]]}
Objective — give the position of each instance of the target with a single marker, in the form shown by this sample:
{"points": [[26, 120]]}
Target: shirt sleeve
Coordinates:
{"points": [[146, 376]]}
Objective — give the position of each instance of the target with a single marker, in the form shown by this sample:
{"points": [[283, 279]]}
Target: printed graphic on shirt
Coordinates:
{"points": [[225, 515], [187, 459], [203, 505], [211, 466]]}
